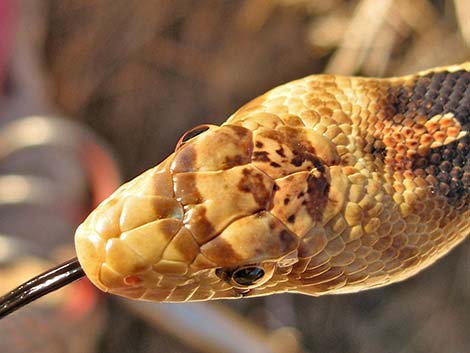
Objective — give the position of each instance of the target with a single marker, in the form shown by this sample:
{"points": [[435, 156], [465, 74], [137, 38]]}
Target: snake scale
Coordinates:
{"points": [[327, 184]]}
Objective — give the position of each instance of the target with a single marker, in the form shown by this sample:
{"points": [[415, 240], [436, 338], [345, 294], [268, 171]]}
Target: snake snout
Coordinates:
{"points": [[136, 237]]}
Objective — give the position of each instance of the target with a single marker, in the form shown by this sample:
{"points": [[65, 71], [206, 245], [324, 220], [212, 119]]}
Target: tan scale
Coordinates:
{"points": [[325, 185]]}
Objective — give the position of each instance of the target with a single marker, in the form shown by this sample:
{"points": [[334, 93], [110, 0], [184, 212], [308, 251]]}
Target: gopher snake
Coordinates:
{"points": [[327, 184]]}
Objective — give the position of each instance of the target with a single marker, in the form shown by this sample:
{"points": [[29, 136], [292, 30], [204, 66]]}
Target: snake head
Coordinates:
{"points": [[208, 222]]}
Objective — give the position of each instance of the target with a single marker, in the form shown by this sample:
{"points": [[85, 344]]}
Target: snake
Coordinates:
{"points": [[325, 185]]}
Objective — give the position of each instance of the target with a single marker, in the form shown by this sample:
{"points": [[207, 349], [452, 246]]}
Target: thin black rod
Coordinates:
{"points": [[41, 285]]}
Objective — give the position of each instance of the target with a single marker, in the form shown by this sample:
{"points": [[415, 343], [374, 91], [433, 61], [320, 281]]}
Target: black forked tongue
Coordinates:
{"points": [[41, 285]]}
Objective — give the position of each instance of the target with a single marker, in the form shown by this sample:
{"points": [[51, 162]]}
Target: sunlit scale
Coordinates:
{"points": [[327, 184]]}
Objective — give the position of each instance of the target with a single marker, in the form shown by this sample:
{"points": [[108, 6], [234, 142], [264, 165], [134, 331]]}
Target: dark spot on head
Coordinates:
{"points": [[297, 161], [261, 156], [253, 182], [286, 201], [295, 151], [280, 152], [240, 131], [233, 161]]}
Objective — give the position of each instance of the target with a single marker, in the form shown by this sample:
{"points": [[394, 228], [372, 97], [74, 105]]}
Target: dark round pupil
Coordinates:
{"points": [[248, 275], [193, 133]]}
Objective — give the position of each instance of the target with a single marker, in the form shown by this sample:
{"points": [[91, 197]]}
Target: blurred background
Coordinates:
{"points": [[93, 92]]}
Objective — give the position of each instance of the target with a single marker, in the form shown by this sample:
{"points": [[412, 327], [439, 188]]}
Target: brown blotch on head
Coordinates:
{"points": [[200, 227], [299, 213], [186, 190], [183, 247], [251, 239], [261, 156], [233, 161], [280, 151], [253, 182], [318, 188], [223, 251], [187, 156], [220, 148], [295, 149]]}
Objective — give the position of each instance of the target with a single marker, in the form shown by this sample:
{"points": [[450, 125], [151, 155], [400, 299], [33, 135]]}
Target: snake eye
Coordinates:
{"points": [[247, 276], [188, 135]]}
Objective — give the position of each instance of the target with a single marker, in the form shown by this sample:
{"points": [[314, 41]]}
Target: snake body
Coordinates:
{"points": [[324, 185]]}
